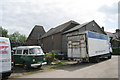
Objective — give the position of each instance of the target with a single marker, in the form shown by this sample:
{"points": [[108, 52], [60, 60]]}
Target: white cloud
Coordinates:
{"points": [[112, 30], [22, 15]]}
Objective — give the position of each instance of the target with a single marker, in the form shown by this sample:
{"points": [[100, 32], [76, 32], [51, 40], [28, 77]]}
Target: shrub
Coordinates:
{"points": [[59, 63], [50, 57], [116, 50]]}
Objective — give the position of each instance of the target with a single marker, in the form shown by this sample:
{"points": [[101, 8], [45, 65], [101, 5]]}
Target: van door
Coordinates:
{"points": [[5, 55], [17, 56]]}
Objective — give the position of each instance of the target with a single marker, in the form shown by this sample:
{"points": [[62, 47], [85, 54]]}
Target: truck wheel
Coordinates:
{"points": [[91, 60], [97, 59], [109, 56]]}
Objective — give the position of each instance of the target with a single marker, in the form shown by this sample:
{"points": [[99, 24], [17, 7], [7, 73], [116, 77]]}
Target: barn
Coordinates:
{"points": [[35, 35], [54, 38]]}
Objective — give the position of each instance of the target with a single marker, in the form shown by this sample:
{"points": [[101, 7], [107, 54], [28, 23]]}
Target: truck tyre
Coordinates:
{"points": [[91, 60], [109, 56], [97, 59]]}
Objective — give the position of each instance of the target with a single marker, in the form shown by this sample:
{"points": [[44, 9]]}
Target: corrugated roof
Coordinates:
{"points": [[59, 28]]}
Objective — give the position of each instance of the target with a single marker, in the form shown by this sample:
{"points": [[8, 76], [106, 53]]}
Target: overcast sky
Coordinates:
{"points": [[23, 15]]}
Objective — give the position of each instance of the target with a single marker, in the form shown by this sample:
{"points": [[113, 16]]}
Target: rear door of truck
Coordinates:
{"points": [[77, 46]]}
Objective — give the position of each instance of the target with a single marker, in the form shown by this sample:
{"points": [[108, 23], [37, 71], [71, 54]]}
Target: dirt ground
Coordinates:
{"points": [[71, 68]]}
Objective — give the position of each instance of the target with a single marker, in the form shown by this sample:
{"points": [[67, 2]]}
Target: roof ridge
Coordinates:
{"points": [[74, 28], [58, 28], [38, 26]]}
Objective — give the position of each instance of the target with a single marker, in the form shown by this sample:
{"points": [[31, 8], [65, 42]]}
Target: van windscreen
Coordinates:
{"points": [[35, 51]]}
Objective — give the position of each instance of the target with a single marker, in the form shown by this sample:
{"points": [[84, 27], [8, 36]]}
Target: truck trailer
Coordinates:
{"points": [[88, 46]]}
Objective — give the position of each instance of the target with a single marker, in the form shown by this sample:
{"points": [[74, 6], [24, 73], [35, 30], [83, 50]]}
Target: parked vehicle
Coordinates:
{"points": [[5, 57], [88, 46], [28, 56], [61, 56]]}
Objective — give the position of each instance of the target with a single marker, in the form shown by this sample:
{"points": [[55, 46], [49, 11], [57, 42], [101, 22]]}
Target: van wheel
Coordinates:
{"points": [[14, 64], [39, 66], [25, 66], [4, 77]]}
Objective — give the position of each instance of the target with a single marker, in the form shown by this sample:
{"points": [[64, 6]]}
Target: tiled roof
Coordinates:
{"points": [[77, 27], [59, 28], [36, 32]]}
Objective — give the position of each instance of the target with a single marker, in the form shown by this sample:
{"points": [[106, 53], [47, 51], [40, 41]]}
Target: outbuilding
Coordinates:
{"points": [[35, 35], [54, 38]]}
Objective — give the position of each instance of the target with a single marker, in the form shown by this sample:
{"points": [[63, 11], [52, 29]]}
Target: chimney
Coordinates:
{"points": [[102, 28]]}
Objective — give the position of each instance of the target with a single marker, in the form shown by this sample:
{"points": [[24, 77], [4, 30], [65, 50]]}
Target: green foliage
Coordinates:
{"points": [[50, 57], [59, 63], [4, 32], [116, 50], [17, 37]]}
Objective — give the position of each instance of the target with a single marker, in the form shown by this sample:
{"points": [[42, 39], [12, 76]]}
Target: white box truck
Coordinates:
{"points": [[5, 57], [88, 46]]}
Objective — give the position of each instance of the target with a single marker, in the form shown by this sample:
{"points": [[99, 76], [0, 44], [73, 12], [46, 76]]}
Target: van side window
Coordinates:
{"points": [[14, 51], [25, 52], [19, 52], [31, 51]]}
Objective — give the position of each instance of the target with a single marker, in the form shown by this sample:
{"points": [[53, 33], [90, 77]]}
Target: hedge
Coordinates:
{"points": [[116, 50]]}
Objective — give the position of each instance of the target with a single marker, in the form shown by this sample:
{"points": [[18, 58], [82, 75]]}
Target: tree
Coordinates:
{"points": [[4, 32], [17, 37], [22, 38]]}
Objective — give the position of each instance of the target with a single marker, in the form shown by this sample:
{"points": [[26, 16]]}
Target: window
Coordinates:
{"points": [[19, 52], [25, 52], [13, 51], [35, 51]]}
